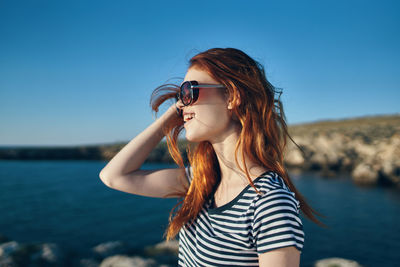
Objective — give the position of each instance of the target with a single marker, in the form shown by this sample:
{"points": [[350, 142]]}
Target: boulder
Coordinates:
{"points": [[45, 254], [362, 149], [125, 261], [164, 252], [6, 251], [389, 156], [167, 246], [110, 248], [337, 262], [7, 262], [365, 174], [49, 253], [294, 158], [8, 248]]}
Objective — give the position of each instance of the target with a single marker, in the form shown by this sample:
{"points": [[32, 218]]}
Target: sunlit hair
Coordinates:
{"points": [[262, 138]]}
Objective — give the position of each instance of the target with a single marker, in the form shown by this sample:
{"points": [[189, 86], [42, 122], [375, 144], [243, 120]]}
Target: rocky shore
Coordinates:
{"points": [[109, 254], [368, 148]]}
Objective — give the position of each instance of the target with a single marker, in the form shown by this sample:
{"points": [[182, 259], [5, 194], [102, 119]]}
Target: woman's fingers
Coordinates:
{"points": [[179, 106]]}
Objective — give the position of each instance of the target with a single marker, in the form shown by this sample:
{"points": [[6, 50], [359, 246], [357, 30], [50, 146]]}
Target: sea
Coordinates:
{"points": [[66, 203]]}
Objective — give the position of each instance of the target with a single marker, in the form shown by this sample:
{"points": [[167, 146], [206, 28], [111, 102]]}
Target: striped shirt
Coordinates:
{"points": [[236, 233]]}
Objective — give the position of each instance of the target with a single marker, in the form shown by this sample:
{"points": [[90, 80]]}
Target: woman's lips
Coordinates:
{"points": [[188, 116]]}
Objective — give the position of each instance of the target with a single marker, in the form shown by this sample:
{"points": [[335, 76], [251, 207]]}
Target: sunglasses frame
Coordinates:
{"points": [[194, 87]]}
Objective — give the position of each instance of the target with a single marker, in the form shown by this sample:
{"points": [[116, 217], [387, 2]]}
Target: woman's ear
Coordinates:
{"points": [[234, 101]]}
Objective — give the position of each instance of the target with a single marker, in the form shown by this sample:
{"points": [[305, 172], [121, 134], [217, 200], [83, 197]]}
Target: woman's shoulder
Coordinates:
{"points": [[272, 186], [270, 180]]}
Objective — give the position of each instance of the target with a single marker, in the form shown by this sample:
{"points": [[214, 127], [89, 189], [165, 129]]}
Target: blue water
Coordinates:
{"points": [[65, 202]]}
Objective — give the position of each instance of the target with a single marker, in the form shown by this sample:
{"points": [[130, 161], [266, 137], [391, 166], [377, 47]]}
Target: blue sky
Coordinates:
{"points": [[82, 72]]}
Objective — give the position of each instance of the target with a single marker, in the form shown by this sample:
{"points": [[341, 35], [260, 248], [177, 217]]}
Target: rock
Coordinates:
{"points": [[365, 174], [18, 253], [317, 161], [125, 261], [362, 149], [51, 252], [110, 248], [329, 146], [7, 262], [368, 148], [294, 158], [391, 170], [167, 246], [47, 254], [165, 252], [389, 156], [336, 262], [6, 249]]}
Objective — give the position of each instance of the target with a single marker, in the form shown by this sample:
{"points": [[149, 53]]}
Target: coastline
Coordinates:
{"points": [[367, 148]]}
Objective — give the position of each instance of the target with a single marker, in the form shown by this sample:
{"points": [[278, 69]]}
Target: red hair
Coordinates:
{"points": [[262, 138]]}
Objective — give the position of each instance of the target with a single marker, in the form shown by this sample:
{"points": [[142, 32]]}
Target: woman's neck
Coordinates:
{"points": [[225, 151]]}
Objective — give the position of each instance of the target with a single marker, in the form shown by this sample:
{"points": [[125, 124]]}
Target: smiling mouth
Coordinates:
{"points": [[188, 116]]}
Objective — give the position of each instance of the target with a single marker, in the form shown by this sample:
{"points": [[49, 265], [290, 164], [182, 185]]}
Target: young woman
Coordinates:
{"points": [[239, 205]]}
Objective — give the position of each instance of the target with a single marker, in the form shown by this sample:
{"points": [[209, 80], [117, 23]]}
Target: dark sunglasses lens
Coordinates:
{"points": [[186, 93]]}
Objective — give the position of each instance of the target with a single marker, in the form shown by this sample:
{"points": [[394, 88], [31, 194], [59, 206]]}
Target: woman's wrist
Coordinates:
{"points": [[171, 113]]}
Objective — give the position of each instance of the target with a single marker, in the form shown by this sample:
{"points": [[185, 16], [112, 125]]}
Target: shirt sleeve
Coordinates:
{"points": [[276, 222], [189, 174]]}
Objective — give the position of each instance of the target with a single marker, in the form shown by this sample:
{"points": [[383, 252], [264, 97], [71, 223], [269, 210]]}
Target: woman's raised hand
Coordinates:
{"points": [[123, 171]]}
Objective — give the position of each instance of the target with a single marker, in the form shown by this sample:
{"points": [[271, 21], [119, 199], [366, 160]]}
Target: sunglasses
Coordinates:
{"points": [[189, 91]]}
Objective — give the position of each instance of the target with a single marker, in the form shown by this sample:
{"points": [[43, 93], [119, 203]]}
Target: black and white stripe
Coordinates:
{"points": [[251, 224]]}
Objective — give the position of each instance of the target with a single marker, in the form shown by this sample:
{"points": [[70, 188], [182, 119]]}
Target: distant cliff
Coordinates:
{"points": [[368, 148], [99, 152]]}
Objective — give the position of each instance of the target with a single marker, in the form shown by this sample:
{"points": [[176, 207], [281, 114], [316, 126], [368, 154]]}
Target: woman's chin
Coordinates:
{"points": [[193, 137], [190, 133], [190, 138]]}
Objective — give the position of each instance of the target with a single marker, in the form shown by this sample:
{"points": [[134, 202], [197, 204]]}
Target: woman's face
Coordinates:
{"points": [[211, 117]]}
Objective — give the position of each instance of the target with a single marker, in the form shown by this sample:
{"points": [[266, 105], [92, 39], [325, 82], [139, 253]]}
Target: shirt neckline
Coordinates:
{"points": [[233, 201]]}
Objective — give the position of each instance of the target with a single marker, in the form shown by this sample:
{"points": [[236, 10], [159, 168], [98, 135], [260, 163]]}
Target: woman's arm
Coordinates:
{"points": [[122, 172], [281, 257]]}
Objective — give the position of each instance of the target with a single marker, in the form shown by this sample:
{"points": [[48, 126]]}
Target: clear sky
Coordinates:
{"points": [[82, 72]]}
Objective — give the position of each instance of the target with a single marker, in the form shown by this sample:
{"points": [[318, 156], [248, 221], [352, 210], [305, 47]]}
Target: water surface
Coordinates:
{"points": [[65, 202]]}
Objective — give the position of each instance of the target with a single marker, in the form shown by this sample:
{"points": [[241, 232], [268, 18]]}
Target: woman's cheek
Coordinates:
{"points": [[203, 95]]}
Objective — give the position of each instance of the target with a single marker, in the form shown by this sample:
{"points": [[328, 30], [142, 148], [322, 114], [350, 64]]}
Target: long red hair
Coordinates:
{"points": [[262, 138]]}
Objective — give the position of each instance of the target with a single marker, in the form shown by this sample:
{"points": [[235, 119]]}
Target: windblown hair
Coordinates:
{"points": [[262, 138]]}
